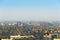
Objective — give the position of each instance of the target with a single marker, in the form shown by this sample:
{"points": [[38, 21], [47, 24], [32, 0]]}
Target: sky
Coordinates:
{"points": [[38, 10]]}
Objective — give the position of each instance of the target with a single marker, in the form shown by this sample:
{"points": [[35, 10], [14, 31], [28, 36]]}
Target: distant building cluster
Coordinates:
{"points": [[29, 31]]}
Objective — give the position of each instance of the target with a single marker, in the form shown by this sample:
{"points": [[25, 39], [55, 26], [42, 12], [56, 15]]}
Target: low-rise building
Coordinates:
{"points": [[5, 39], [57, 39]]}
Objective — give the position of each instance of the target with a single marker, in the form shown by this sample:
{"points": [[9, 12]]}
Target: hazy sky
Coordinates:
{"points": [[45, 10]]}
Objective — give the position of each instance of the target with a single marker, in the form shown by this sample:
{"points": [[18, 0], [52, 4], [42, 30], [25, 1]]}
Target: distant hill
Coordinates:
{"points": [[56, 23], [46, 24]]}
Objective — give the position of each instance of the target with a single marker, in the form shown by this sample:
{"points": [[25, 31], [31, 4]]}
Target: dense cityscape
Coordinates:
{"points": [[29, 19], [17, 30]]}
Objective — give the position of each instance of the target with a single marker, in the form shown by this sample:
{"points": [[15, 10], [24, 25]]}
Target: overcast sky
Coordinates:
{"points": [[43, 10]]}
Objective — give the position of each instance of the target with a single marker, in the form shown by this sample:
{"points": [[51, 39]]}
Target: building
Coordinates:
{"points": [[57, 39], [5, 39]]}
